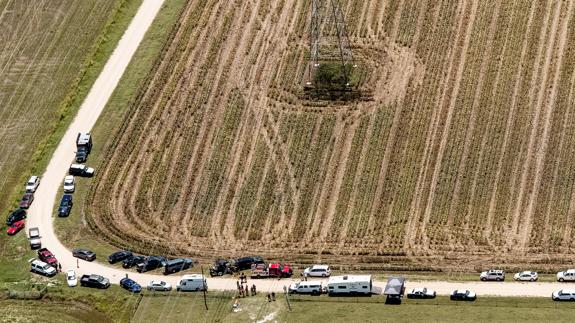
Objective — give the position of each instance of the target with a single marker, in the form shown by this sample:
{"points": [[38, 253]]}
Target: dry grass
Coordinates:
{"points": [[461, 157]]}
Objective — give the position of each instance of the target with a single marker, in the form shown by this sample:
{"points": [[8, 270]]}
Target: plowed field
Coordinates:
{"points": [[462, 157]]}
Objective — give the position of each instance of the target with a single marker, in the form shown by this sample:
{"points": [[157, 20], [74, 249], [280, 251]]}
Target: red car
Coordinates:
{"points": [[26, 200], [46, 256], [15, 227]]}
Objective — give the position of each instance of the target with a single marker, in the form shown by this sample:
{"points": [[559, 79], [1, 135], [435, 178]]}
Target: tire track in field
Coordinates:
{"points": [[127, 198], [510, 120], [513, 234], [255, 100], [339, 159], [465, 26], [550, 105], [564, 130], [462, 167], [567, 234], [351, 207]]}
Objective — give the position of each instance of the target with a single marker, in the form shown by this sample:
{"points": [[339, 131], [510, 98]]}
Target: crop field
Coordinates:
{"points": [[459, 157], [44, 45]]}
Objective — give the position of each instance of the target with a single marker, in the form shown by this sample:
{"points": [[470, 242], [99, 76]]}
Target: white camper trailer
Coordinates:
{"points": [[349, 285]]}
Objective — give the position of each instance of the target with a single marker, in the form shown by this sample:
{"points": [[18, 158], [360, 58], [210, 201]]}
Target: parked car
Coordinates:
{"points": [[42, 268], [119, 256], [32, 184], [564, 295], [247, 262], [84, 254], [567, 275], [492, 275], [94, 281], [16, 215], [133, 261], [175, 265], [69, 184], [317, 271], [81, 170], [15, 227], [65, 205], [463, 295], [131, 285], [34, 238], [151, 263], [221, 267], [26, 200], [48, 257], [71, 278], [306, 287], [421, 293], [159, 286], [526, 276]]}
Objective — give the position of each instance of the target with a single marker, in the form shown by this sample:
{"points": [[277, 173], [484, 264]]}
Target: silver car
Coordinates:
{"points": [[159, 285], [530, 276]]}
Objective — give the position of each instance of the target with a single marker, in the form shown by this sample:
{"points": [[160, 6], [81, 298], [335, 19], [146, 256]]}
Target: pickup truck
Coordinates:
{"points": [[94, 281], [34, 237]]}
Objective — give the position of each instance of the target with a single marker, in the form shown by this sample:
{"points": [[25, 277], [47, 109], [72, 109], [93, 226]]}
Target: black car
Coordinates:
{"points": [[133, 261], [151, 263], [175, 265], [221, 267], [15, 216], [94, 281], [84, 254], [247, 262], [119, 256], [65, 205], [463, 295]]}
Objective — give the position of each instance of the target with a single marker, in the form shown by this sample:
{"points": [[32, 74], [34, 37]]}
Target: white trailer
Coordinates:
{"points": [[350, 285], [192, 283]]}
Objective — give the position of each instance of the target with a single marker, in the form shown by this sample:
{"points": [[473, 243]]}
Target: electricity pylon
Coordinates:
{"points": [[329, 41]]}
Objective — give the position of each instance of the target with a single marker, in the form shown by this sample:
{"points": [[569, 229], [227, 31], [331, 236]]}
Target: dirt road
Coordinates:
{"points": [[41, 212]]}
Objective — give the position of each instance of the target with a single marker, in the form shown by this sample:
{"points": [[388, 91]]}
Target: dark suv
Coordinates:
{"points": [[17, 215], [247, 262], [151, 263], [119, 256], [65, 205]]}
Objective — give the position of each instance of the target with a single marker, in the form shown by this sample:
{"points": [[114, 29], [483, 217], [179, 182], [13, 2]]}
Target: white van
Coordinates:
{"points": [[352, 285], [306, 287], [194, 282]]}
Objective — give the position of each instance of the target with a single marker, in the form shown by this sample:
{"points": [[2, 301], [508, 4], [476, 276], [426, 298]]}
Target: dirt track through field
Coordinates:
{"points": [[456, 157]]}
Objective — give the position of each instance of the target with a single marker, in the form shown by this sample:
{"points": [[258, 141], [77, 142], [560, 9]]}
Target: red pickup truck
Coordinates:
{"points": [[48, 257]]}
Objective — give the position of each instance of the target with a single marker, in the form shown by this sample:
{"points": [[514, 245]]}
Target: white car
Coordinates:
{"points": [[421, 293], [526, 276], [564, 295], [71, 278], [69, 184], [317, 271], [32, 184], [568, 275], [159, 285]]}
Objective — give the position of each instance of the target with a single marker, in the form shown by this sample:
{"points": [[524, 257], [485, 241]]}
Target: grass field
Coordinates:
{"points": [[460, 159], [47, 49], [180, 308]]}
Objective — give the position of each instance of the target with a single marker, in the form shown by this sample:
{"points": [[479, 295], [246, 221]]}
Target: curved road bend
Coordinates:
{"points": [[40, 214]]}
